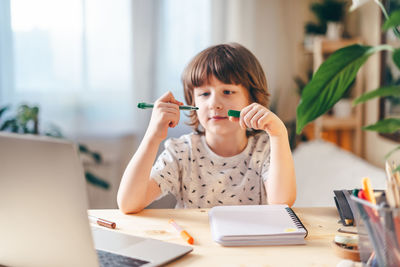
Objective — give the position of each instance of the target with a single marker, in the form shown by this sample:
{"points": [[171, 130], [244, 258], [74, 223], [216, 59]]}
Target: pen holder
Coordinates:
{"points": [[379, 233]]}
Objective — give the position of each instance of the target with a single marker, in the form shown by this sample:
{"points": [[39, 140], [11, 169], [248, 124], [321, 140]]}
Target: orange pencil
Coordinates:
{"points": [[185, 235], [368, 191]]}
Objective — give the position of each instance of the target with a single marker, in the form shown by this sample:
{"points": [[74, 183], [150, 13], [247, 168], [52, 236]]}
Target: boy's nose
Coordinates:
{"points": [[216, 103]]}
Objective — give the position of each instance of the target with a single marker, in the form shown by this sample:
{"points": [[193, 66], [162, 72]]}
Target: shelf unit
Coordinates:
{"points": [[344, 132]]}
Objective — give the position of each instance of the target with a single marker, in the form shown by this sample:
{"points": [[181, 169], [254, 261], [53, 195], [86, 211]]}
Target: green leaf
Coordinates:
{"points": [[384, 126], [83, 148], [391, 152], [35, 111], [396, 57], [11, 123], [96, 157], [93, 179], [392, 21], [3, 109], [331, 81], [380, 92]]}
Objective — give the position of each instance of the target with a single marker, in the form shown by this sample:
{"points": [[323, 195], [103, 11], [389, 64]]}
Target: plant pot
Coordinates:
{"points": [[334, 30], [309, 40], [342, 109]]}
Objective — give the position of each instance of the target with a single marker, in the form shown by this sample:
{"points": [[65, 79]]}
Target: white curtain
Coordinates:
{"points": [[72, 59], [88, 63]]}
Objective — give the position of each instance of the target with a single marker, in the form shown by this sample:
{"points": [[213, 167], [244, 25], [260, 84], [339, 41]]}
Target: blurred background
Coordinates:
{"points": [[78, 68]]}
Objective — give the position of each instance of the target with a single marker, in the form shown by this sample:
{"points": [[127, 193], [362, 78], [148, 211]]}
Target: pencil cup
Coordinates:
{"points": [[378, 233]]}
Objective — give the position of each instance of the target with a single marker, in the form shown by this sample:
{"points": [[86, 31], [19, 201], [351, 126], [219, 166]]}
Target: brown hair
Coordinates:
{"points": [[231, 64]]}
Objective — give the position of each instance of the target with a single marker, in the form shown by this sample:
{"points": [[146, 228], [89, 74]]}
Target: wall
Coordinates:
{"points": [[273, 31], [116, 153], [376, 147]]}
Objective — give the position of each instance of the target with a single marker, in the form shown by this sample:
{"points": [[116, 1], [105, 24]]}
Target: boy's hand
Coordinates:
{"points": [[259, 117], [165, 114]]}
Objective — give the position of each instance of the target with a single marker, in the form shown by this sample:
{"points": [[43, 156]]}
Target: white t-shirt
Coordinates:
{"points": [[199, 178]]}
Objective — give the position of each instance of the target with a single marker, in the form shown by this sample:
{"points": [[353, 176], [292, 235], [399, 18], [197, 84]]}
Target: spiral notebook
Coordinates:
{"points": [[256, 225]]}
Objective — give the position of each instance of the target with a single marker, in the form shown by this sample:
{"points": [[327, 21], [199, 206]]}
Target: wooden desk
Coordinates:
{"points": [[321, 224]]}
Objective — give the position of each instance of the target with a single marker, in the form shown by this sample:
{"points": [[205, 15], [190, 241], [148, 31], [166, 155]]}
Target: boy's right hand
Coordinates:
{"points": [[165, 114]]}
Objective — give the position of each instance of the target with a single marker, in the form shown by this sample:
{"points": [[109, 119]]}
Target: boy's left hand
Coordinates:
{"points": [[258, 117]]}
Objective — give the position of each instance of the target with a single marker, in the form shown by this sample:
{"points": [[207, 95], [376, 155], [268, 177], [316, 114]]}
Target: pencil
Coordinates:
{"points": [[396, 173], [390, 190], [395, 184]]}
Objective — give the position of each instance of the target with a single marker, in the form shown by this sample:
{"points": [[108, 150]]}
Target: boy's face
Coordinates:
{"points": [[214, 100]]}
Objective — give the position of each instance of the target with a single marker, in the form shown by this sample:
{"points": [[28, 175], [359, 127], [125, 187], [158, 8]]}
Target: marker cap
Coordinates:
{"points": [[234, 113]]}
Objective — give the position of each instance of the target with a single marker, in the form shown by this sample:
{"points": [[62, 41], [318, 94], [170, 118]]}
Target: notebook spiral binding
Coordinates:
{"points": [[296, 220]]}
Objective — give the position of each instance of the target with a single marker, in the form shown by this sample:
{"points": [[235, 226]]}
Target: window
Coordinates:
{"points": [[186, 30], [87, 63], [73, 59]]}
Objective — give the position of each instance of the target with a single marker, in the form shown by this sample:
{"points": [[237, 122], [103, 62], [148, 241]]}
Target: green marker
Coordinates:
{"points": [[355, 192], [234, 113], [147, 105]]}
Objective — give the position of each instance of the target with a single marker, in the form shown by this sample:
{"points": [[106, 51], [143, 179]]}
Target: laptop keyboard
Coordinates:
{"points": [[111, 259]]}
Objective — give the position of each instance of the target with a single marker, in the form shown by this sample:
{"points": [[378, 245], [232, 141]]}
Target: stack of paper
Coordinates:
{"points": [[256, 225]]}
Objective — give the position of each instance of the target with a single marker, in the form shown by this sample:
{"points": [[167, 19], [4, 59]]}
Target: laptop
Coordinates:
{"points": [[43, 212]]}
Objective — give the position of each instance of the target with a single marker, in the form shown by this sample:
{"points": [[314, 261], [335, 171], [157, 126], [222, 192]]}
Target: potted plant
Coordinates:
{"points": [[330, 14], [26, 121], [312, 30], [339, 71]]}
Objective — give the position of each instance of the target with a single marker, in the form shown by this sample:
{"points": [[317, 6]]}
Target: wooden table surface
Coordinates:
{"points": [[321, 224]]}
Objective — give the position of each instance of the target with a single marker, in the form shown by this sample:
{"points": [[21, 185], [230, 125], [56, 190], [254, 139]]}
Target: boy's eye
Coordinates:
{"points": [[228, 92], [204, 94]]}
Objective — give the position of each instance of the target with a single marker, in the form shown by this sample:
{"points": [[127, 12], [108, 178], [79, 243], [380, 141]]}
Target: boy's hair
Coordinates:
{"points": [[231, 64]]}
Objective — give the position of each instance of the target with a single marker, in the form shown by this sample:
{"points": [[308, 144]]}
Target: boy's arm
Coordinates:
{"points": [[281, 182], [137, 190]]}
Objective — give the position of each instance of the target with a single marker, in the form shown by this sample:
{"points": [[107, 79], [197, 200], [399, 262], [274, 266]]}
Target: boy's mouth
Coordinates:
{"points": [[219, 117]]}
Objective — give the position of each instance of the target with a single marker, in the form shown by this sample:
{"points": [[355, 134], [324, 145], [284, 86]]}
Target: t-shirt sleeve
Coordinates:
{"points": [[166, 172]]}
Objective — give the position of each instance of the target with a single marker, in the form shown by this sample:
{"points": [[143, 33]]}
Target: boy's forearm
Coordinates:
{"points": [[134, 182], [281, 184]]}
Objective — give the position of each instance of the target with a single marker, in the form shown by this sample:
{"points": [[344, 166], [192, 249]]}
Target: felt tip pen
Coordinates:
{"points": [[149, 105], [102, 222], [368, 191], [185, 235]]}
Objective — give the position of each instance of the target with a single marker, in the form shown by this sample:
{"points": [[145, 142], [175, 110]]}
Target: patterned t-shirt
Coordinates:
{"points": [[199, 178]]}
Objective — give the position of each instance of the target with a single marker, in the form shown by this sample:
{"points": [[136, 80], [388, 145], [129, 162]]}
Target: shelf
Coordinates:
{"points": [[330, 46], [329, 122]]}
